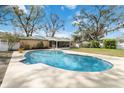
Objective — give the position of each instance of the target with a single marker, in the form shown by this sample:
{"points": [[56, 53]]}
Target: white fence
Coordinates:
{"points": [[4, 46]]}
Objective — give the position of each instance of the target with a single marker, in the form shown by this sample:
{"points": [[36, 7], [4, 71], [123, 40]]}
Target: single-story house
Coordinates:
{"points": [[120, 42], [32, 42], [48, 42], [38, 42], [55, 42]]}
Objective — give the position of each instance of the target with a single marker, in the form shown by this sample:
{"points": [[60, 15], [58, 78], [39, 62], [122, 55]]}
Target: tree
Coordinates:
{"points": [[11, 39], [77, 37], [28, 22], [98, 21], [53, 25]]}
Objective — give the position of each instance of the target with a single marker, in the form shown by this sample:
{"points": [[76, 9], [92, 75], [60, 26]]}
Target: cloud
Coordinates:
{"points": [[71, 6], [2, 31]]}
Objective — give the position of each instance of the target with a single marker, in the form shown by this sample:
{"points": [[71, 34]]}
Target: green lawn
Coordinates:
{"points": [[111, 52]]}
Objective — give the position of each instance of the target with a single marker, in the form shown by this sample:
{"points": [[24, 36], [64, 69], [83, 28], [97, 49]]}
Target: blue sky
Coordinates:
{"points": [[66, 13]]}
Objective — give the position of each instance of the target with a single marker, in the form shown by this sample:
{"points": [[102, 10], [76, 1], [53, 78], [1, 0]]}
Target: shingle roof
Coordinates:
{"points": [[57, 39], [46, 38], [33, 37]]}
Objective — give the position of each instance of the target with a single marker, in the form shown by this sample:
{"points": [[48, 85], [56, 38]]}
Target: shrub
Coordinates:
{"points": [[94, 44], [11, 39], [109, 43], [85, 44], [40, 45], [26, 47]]}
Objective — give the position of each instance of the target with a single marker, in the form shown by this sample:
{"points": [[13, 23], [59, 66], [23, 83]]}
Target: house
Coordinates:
{"points": [[47, 42], [120, 42], [55, 42], [33, 42], [38, 42]]}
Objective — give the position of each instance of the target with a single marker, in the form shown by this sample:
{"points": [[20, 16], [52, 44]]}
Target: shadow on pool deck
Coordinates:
{"points": [[20, 75], [84, 80], [4, 61]]}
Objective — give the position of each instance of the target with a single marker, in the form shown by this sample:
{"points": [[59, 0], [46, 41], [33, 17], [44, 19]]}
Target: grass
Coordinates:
{"points": [[4, 61], [110, 52]]}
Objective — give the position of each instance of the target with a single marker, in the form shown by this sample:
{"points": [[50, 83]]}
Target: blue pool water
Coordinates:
{"points": [[67, 61]]}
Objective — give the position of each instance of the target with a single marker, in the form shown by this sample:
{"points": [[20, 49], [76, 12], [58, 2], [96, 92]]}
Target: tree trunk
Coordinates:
{"points": [[27, 35]]}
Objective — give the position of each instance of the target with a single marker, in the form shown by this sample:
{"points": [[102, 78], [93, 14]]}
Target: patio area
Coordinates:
{"points": [[20, 75]]}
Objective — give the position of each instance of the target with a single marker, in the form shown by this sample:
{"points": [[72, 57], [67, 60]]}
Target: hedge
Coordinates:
{"points": [[94, 44], [109, 43]]}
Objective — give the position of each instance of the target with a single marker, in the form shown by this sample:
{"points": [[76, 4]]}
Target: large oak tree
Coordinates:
{"points": [[53, 25], [30, 21], [97, 21]]}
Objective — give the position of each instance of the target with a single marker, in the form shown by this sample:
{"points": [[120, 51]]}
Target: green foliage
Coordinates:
{"points": [[95, 25], [11, 39], [94, 44], [77, 38], [85, 44], [109, 43]]}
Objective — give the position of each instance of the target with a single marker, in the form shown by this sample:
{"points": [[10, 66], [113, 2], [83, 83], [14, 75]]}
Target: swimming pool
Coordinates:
{"points": [[65, 61]]}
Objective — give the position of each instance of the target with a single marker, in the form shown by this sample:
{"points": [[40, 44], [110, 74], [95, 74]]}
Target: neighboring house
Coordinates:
{"points": [[120, 42]]}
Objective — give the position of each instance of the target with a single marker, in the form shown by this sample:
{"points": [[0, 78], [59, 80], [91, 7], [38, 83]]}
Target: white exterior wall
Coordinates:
{"points": [[4, 46], [120, 45]]}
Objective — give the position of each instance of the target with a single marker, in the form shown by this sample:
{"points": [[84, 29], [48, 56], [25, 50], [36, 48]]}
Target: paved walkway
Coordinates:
{"points": [[20, 75]]}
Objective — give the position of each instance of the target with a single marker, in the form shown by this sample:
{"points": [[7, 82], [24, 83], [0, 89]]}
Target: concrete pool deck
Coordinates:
{"points": [[20, 75]]}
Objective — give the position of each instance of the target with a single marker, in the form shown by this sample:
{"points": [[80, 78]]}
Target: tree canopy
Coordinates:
{"points": [[53, 24], [93, 24], [28, 22]]}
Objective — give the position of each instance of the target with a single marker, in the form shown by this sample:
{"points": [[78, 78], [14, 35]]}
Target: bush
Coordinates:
{"points": [[40, 45], [109, 43], [94, 44], [85, 44], [26, 47], [11, 39]]}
